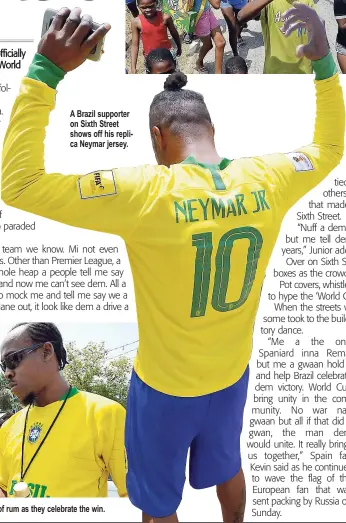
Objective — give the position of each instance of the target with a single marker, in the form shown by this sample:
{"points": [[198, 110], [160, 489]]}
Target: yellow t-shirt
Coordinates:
{"points": [[85, 445], [280, 51], [198, 237]]}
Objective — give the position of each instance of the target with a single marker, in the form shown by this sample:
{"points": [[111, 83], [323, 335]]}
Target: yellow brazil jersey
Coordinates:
{"points": [[280, 51], [84, 447], [199, 237]]}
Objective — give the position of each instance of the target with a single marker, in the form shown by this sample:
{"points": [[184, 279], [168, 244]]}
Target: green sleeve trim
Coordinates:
{"points": [[324, 68], [45, 71]]}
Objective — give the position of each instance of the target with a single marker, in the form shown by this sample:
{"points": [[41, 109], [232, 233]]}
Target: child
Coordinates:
{"points": [[236, 65], [152, 25], [208, 29], [230, 10], [160, 61], [279, 52]]}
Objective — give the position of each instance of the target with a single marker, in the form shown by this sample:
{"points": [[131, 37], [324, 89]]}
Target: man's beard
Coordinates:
{"points": [[29, 399]]}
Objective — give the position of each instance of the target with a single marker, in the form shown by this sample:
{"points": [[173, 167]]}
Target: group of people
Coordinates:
{"points": [[151, 25], [192, 216]]}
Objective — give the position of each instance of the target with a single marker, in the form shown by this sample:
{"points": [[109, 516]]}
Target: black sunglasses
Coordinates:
{"points": [[13, 359]]}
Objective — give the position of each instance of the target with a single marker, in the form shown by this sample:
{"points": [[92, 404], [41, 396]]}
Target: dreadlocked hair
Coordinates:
{"points": [[47, 332], [177, 108]]}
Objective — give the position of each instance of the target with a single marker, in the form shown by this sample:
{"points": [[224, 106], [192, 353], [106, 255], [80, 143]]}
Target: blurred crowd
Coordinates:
{"points": [[164, 26]]}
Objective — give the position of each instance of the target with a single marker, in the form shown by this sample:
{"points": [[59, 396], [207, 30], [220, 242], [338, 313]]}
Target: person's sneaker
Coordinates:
{"points": [[187, 38]]}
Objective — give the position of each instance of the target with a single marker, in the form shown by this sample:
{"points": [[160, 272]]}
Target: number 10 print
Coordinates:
{"points": [[204, 245]]}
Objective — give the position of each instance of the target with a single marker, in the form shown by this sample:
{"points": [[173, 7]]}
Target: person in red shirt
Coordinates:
{"points": [[152, 27]]}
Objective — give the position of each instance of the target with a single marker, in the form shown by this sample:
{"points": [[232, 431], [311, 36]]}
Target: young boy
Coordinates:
{"points": [[279, 52], [152, 26], [208, 29], [160, 61], [236, 65]]}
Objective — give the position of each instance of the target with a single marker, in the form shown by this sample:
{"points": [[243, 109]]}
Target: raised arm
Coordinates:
{"points": [[330, 111], [251, 10], [107, 201], [299, 171]]}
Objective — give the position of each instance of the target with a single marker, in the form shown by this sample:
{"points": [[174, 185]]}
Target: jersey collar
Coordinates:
{"points": [[218, 166], [73, 392]]}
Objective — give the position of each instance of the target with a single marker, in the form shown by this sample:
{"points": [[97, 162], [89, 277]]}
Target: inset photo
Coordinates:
{"points": [[63, 394], [224, 36]]}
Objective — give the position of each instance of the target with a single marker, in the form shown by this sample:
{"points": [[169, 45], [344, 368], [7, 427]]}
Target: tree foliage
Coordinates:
{"points": [[91, 370], [8, 402]]}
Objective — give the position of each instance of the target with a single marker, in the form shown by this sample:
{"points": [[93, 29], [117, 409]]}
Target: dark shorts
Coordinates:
{"points": [[160, 430]]}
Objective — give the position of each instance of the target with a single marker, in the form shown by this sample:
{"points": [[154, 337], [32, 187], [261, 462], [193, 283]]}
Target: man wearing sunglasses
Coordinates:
{"points": [[65, 442]]}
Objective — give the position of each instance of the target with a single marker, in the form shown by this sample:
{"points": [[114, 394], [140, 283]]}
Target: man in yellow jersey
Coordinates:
{"points": [[279, 52], [212, 221], [66, 442]]}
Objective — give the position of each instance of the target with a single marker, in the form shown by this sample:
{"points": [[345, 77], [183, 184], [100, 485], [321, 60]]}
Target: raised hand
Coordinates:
{"points": [[300, 16], [66, 42]]}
